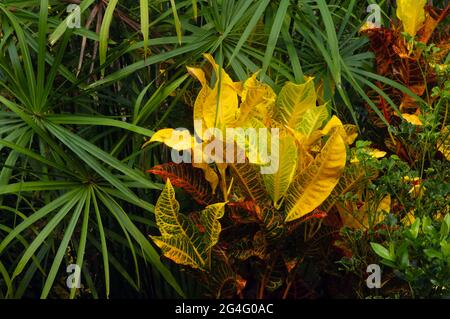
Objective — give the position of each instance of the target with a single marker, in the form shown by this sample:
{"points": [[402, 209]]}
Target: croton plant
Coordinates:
{"points": [[254, 218]]}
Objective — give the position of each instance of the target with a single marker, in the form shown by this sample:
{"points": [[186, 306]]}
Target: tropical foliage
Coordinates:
{"points": [[362, 119]]}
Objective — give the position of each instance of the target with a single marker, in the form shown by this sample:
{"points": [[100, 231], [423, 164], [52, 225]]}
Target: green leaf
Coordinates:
{"points": [[176, 20], [62, 27], [41, 213], [447, 220], [273, 36], [403, 256], [444, 230], [62, 250], [98, 121], [382, 252], [415, 227], [150, 252], [45, 232], [262, 5], [103, 247], [292, 52], [132, 68], [331, 40], [144, 23], [432, 253], [104, 33], [83, 236], [37, 186], [42, 41]]}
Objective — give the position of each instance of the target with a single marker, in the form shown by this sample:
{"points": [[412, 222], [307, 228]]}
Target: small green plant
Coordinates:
{"points": [[420, 255]]}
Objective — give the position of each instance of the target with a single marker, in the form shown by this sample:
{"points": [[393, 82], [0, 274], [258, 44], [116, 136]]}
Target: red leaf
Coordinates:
{"points": [[188, 178]]}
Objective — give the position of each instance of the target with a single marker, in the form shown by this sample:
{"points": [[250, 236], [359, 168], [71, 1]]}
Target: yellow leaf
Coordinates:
{"points": [[257, 101], [210, 175], [220, 109], [182, 240], [412, 118], [385, 204], [294, 100], [312, 120], [287, 156], [179, 140], [352, 133], [368, 26], [348, 132], [350, 216], [417, 190], [332, 123], [247, 139], [409, 219], [312, 186], [372, 152], [216, 107], [199, 74], [412, 15], [383, 208], [304, 158]]}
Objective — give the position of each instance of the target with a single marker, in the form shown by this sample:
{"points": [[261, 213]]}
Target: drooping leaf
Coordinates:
{"points": [[433, 17], [181, 239], [312, 186], [348, 132], [202, 96]]}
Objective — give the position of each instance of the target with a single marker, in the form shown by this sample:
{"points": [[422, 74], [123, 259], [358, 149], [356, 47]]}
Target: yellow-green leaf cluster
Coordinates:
{"points": [[182, 240], [311, 151]]}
